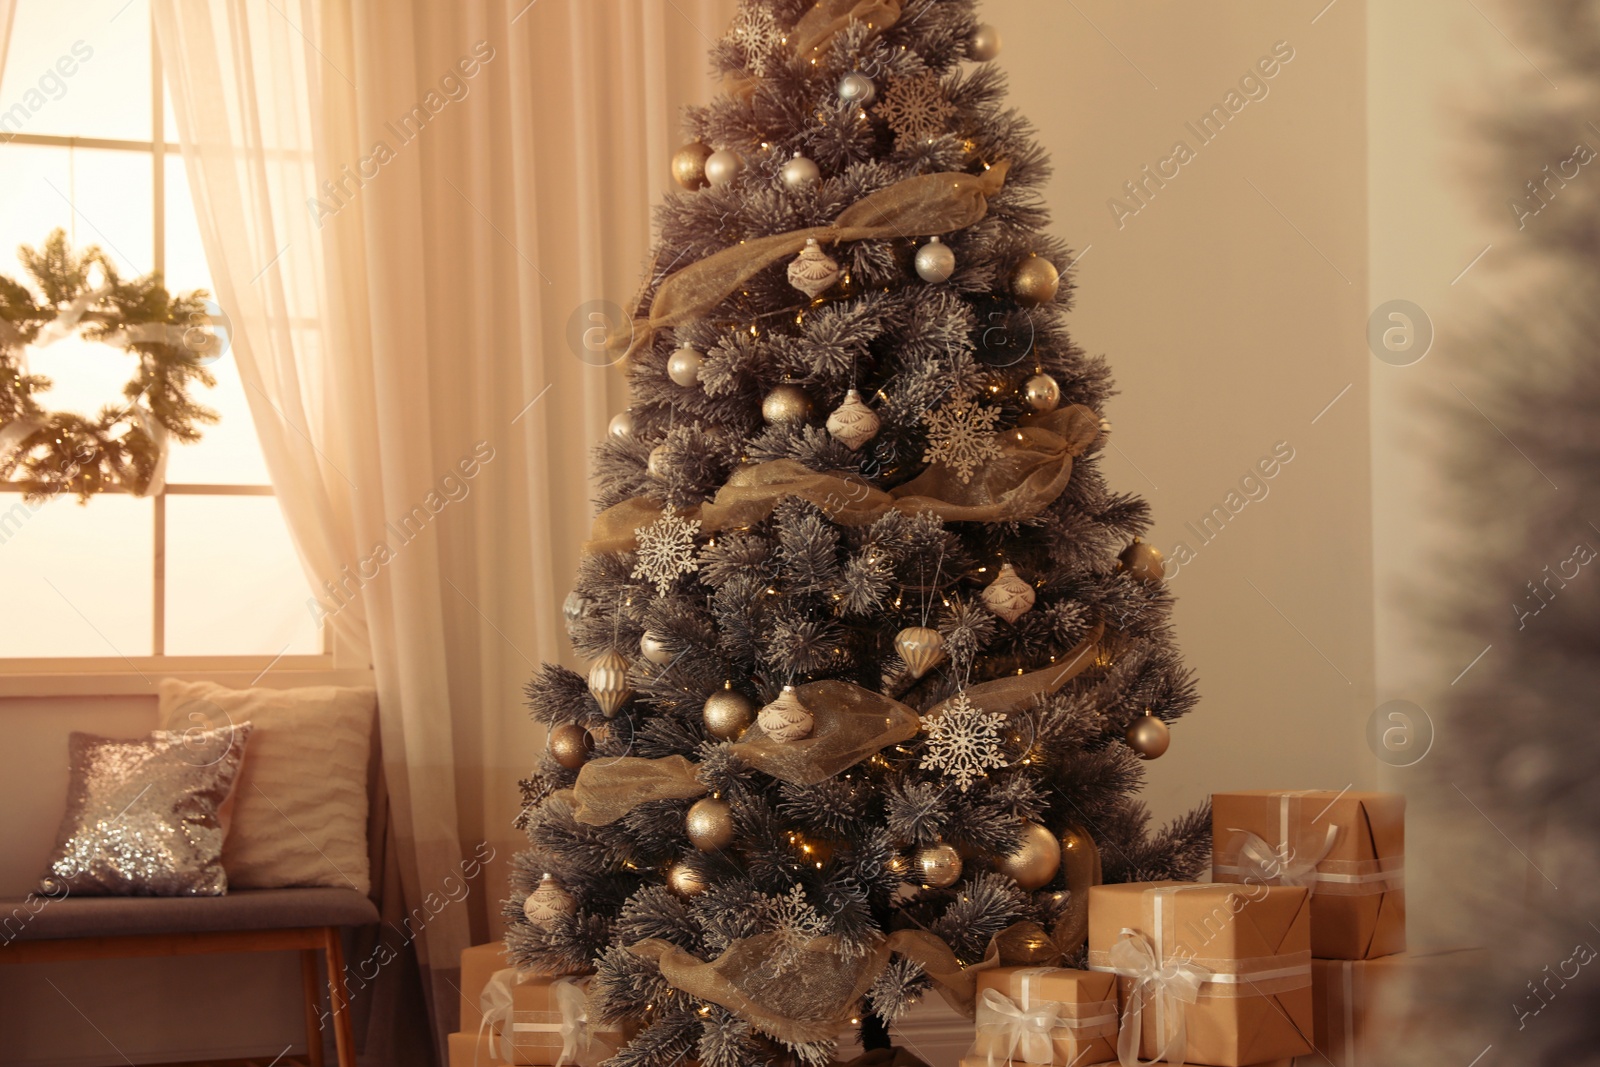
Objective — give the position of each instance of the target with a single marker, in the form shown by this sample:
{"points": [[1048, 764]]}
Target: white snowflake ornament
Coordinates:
{"points": [[796, 924], [756, 34], [916, 108], [964, 742], [666, 550], [961, 435]]}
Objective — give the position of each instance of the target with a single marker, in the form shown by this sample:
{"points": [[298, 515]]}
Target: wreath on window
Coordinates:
{"points": [[124, 447]]}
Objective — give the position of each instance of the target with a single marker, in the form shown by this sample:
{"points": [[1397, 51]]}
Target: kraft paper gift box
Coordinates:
{"points": [[531, 1009], [1207, 973], [1347, 848], [470, 1050], [478, 965], [1362, 1006], [1045, 1015]]}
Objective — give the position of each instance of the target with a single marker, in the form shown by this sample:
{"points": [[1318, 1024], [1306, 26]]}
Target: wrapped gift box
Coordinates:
{"points": [[478, 964], [470, 1050], [1045, 1015], [1225, 969], [1362, 1009], [1348, 848]]}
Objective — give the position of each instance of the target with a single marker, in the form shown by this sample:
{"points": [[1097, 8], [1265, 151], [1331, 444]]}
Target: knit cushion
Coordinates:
{"points": [[300, 809]]}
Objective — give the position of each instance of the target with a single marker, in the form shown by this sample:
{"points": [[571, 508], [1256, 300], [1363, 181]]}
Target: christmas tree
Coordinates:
{"points": [[876, 651]]}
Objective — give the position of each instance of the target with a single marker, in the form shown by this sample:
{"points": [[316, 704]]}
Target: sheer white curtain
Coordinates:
{"points": [[8, 11], [403, 203]]}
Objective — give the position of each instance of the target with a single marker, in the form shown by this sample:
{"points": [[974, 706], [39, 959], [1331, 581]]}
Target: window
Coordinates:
{"points": [[206, 568]]}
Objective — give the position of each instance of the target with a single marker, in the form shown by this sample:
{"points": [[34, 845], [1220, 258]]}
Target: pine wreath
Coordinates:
{"points": [[121, 448]]}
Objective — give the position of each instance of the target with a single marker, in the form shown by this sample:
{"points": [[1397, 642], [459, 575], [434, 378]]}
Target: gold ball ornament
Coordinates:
{"points": [[654, 648], [1042, 393], [570, 745], [1035, 281], [1008, 596], [786, 404], [852, 423], [938, 866], [547, 902], [728, 714], [723, 166], [786, 719], [813, 271], [1148, 736], [685, 879], [656, 464], [800, 173], [935, 262], [920, 647], [689, 166], [710, 825], [1143, 561], [985, 44], [621, 425], [608, 681], [1035, 861], [683, 366]]}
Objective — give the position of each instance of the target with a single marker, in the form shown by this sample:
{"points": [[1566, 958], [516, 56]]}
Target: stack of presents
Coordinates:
{"points": [[1295, 955]]}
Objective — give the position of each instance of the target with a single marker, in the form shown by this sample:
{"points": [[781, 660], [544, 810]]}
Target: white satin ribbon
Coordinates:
{"points": [[1250, 859], [1167, 984], [158, 435], [13, 433], [67, 318], [1022, 1032]]}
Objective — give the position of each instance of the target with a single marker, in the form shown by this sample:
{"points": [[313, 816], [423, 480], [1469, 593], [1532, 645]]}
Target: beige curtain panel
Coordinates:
{"points": [[404, 206]]}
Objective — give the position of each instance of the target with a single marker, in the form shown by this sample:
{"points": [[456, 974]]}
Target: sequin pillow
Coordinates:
{"points": [[144, 815]]}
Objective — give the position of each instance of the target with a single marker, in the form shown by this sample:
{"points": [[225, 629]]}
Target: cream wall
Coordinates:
{"points": [[1231, 307]]}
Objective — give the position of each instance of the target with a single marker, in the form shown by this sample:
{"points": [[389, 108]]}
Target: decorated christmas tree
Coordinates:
{"points": [[876, 652]]}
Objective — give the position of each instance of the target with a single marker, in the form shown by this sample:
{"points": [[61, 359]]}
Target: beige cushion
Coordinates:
{"points": [[300, 809]]}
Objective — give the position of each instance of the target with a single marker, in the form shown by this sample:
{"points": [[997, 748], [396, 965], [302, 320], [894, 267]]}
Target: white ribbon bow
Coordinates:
{"points": [[1167, 984], [1263, 864], [1024, 1033], [496, 1005]]}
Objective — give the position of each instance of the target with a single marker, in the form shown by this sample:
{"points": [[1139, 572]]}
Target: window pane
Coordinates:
{"points": [[79, 69], [234, 583], [111, 191], [80, 577], [228, 452]]}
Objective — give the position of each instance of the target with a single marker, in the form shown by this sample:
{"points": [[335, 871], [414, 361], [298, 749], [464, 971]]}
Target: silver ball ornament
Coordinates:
{"points": [[656, 465], [710, 825], [938, 866], [576, 608], [723, 166], [935, 262], [856, 88], [1148, 736], [985, 45], [570, 745], [547, 902], [1042, 393], [786, 719], [800, 173], [1035, 861], [920, 647], [786, 404], [683, 366], [654, 648], [727, 714], [621, 425]]}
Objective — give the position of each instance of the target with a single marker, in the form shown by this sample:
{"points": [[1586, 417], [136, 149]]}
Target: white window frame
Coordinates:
{"points": [[139, 675]]}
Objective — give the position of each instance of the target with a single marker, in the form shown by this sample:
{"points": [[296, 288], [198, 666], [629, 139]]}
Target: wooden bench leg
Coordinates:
{"points": [[339, 1000], [311, 989]]}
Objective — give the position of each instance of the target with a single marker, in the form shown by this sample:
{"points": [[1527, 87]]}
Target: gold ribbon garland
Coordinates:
{"points": [[819, 26], [920, 206], [1033, 469]]}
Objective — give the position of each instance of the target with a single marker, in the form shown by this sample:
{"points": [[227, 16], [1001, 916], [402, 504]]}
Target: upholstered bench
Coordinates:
{"points": [[245, 920]]}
